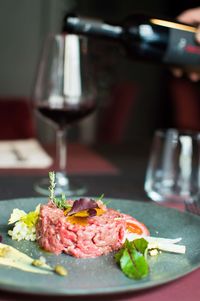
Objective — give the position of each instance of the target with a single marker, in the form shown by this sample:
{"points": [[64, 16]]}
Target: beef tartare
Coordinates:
{"points": [[86, 229]]}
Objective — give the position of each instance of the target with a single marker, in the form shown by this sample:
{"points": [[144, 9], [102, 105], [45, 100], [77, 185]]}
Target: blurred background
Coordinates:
{"points": [[134, 97]]}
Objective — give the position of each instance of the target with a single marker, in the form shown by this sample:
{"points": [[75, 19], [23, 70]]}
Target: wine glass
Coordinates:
{"points": [[173, 172], [64, 93]]}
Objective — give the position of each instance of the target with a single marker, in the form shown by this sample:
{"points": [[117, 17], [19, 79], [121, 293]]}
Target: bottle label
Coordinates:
{"points": [[182, 48]]}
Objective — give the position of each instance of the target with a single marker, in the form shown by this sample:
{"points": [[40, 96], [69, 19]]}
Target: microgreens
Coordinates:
{"points": [[101, 199], [61, 202]]}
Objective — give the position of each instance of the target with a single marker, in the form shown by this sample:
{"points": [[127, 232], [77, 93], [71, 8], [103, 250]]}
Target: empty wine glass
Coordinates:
{"points": [[64, 93], [173, 172]]}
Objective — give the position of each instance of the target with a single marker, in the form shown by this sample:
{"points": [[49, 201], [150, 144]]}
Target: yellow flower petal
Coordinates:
{"points": [[82, 221]]}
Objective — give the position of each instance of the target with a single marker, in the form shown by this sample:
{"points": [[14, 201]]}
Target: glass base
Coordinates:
{"points": [[162, 198], [67, 187]]}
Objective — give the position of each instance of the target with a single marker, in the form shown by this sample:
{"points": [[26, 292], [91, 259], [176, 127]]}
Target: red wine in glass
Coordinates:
{"points": [[67, 114]]}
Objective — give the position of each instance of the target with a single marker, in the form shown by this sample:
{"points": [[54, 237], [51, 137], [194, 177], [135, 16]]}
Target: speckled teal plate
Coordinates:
{"points": [[102, 275]]}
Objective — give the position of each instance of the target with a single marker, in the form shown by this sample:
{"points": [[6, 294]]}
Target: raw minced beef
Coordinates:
{"points": [[101, 235]]}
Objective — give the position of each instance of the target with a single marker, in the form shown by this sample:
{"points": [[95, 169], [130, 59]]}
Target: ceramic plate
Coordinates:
{"points": [[101, 275]]}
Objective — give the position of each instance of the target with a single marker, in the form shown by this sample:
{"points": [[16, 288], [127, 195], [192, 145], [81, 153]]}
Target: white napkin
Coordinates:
{"points": [[23, 154]]}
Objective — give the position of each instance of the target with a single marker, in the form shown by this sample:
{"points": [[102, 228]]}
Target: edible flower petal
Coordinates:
{"points": [[16, 215], [92, 212], [83, 204], [75, 220], [24, 224], [30, 219], [81, 217]]}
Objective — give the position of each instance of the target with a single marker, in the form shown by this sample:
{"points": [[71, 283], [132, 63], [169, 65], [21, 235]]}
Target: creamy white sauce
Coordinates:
{"points": [[12, 257]]}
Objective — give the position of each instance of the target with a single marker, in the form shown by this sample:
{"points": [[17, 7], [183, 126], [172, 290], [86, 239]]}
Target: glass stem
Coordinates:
{"points": [[61, 157]]}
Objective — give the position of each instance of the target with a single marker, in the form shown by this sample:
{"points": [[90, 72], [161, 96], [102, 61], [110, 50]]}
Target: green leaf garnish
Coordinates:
{"points": [[61, 202], [132, 258], [101, 197], [140, 245]]}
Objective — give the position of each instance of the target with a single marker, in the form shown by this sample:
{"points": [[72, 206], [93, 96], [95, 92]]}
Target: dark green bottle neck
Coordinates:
{"points": [[91, 27]]}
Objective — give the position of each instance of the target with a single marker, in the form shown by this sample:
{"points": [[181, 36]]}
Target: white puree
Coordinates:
{"points": [[11, 257]]}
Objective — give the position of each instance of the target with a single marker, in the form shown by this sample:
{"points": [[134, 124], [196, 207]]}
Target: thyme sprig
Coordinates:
{"points": [[52, 185], [61, 201]]}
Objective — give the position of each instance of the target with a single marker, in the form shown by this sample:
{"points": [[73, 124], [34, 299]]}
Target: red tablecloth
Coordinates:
{"points": [[184, 289]]}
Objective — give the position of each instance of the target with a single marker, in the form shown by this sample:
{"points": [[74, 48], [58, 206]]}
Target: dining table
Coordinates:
{"points": [[118, 172]]}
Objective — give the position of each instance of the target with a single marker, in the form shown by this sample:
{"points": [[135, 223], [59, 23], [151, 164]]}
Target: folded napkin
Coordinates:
{"points": [[26, 153]]}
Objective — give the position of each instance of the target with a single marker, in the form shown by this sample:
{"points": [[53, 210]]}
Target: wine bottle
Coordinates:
{"points": [[144, 37]]}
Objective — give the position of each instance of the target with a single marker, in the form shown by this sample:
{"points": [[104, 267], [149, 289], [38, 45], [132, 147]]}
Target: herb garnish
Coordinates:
{"points": [[78, 210], [59, 202], [80, 205], [132, 258], [101, 197], [52, 185]]}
